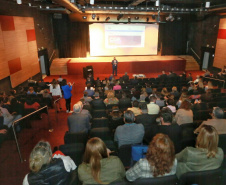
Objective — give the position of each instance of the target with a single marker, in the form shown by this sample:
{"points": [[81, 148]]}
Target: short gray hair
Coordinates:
{"points": [[77, 108], [218, 113]]}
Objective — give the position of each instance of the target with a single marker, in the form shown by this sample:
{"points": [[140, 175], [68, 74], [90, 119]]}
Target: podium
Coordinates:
{"points": [[87, 71]]}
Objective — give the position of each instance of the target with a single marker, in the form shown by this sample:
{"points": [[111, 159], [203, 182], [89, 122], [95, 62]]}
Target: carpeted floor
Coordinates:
{"points": [[12, 171]]}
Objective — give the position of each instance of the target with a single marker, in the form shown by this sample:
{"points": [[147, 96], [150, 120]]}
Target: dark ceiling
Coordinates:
{"points": [[126, 7]]}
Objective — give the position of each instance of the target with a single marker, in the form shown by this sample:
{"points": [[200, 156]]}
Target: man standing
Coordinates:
{"points": [[114, 66]]}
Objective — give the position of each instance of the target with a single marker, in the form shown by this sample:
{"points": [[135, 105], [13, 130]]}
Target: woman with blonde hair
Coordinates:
{"points": [[111, 99], [205, 156], [160, 160], [98, 167], [46, 169]]}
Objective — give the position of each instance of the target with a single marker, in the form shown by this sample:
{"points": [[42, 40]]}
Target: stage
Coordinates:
{"points": [[130, 64]]}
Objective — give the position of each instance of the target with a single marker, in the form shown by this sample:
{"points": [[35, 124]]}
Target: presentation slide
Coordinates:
{"points": [[123, 39]]}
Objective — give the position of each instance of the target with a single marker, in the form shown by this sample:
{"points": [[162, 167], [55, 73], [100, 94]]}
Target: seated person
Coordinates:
{"points": [[47, 168], [89, 90], [160, 160], [205, 156], [117, 86], [31, 104], [135, 109], [217, 121], [78, 121], [98, 166], [87, 99], [165, 127], [130, 132], [30, 80], [31, 91], [111, 99], [171, 105], [184, 114], [125, 77], [152, 107], [97, 102]]}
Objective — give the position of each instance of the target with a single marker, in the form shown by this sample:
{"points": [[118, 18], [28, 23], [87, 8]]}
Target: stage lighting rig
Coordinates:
{"points": [[93, 16], [119, 16], [107, 19]]}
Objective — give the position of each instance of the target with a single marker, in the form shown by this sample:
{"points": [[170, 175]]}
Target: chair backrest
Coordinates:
{"points": [[75, 151], [222, 142], [99, 113], [208, 177], [70, 138], [102, 132], [166, 180], [99, 122], [124, 153]]}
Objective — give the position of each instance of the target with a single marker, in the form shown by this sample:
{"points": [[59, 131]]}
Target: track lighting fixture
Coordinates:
{"points": [[119, 16], [107, 18]]}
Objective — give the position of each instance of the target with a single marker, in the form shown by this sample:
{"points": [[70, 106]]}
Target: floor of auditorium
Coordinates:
{"points": [[12, 171]]}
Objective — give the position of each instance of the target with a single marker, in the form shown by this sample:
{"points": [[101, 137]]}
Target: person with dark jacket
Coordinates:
{"points": [[46, 168]]}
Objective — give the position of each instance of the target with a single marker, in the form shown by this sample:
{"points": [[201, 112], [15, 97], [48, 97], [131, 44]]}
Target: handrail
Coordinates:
{"points": [[56, 107], [14, 132], [52, 55], [195, 53], [211, 78]]}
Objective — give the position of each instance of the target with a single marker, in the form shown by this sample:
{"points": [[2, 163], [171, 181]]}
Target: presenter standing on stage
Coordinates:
{"points": [[114, 66]]}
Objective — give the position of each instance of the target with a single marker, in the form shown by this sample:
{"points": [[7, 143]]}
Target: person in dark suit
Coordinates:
{"points": [[166, 127], [78, 122], [97, 103], [114, 63], [125, 77]]}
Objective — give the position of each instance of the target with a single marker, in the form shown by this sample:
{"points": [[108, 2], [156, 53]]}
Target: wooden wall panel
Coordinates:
{"points": [[15, 47], [220, 57]]}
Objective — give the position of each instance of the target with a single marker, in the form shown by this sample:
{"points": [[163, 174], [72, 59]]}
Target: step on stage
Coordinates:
{"points": [[130, 64]]}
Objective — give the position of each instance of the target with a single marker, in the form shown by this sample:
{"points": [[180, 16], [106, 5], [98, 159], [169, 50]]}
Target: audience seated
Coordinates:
{"points": [[97, 103], [160, 160], [117, 86], [152, 107], [31, 104], [130, 132], [160, 99], [87, 99], [89, 90], [78, 122], [175, 93], [125, 78], [111, 99], [171, 105], [189, 78], [165, 127], [47, 168], [217, 121], [205, 156], [124, 102], [135, 108], [98, 166], [31, 91], [184, 114]]}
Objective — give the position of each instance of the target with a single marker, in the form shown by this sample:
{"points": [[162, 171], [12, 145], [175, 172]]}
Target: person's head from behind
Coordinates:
{"points": [[174, 89], [88, 86], [110, 95], [153, 99], [40, 155], [170, 101], [64, 82], [94, 152], [166, 115], [208, 139], [186, 105], [135, 103], [161, 154], [77, 108], [218, 113], [31, 89], [129, 116]]}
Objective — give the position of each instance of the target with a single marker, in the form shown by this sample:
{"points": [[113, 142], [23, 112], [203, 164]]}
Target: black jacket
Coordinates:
{"points": [[52, 174]]}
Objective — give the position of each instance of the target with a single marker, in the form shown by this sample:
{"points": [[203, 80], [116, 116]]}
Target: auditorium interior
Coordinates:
{"points": [[48, 39]]}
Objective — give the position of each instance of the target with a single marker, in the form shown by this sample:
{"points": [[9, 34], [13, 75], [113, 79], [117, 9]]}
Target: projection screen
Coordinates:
{"points": [[123, 39]]}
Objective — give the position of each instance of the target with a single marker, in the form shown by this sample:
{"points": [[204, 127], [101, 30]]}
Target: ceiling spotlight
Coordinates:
{"points": [[153, 16], [136, 18], [157, 3], [119, 16], [93, 16], [84, 17], [98, 18], [129, 20], [83, 10], [207, 4], [19, 1], [107, 19], [147, 19]]}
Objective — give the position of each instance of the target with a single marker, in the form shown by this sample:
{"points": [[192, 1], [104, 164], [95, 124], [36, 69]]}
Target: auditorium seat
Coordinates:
{"points": [[70, 138], [99, 122]]}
